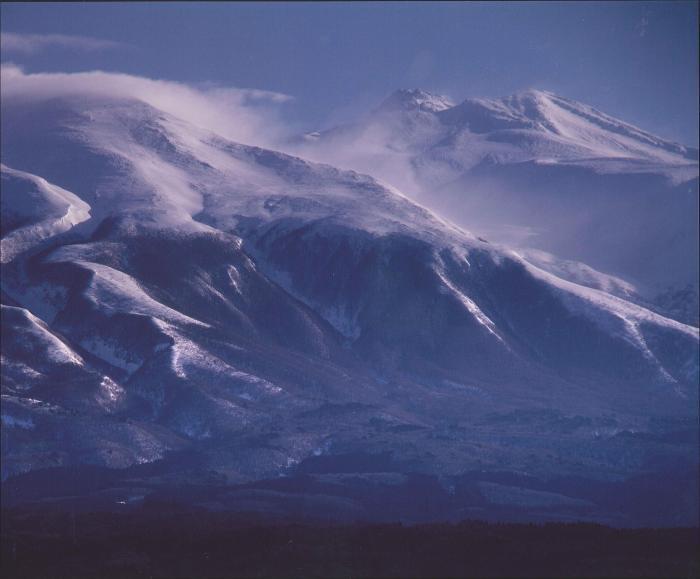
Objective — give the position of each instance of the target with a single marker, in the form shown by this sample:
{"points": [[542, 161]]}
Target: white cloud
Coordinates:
{"points": [[32, 43], [246, 115]]}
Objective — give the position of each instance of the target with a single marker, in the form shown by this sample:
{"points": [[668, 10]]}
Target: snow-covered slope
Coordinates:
{"points": [[569, 130], [267, 312], [541, 171], [33, 210]]}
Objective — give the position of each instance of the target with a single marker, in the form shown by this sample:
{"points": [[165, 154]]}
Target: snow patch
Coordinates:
{"points": [[14, 422]]}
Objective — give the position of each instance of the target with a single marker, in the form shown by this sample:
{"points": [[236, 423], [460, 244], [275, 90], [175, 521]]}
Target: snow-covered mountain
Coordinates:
{"points": [[540, 171], [167, 292]]}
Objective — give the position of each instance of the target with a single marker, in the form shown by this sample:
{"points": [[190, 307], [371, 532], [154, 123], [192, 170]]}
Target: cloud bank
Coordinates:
{"points": [[249, 116], [33, 43]]}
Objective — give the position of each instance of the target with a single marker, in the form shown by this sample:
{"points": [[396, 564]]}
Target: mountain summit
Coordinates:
{"points": [[415, 100]]}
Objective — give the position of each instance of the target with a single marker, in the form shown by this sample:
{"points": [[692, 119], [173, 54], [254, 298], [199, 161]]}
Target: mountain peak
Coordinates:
{"points": [[534, 93], [415, 99], [583, 127]]}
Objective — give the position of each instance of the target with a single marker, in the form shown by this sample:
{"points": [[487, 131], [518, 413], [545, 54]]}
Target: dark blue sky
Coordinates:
{"points": [[635, 60]]}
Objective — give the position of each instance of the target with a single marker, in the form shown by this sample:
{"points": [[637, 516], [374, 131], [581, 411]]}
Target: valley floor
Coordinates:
{"points": [[167, 542]]}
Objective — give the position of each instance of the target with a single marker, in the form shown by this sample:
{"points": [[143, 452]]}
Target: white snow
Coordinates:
{"points": [[61, 210], [604, 301], [57, 351], [470, 306], [579, 273], [416, 99], [113, 391], [616, 316], [115, 291], [112, 353]]}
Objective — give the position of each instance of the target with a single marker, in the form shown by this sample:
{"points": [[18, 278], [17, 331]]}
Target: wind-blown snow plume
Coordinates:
{"points": [[247, 115]]}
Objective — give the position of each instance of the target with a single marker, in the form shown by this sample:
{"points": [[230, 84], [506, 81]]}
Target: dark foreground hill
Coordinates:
{"points": [[162, 541]]}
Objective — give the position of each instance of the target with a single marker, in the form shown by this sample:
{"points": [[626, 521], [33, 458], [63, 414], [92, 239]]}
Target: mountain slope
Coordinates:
{"points": [[540, 171], [270, 314]]}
